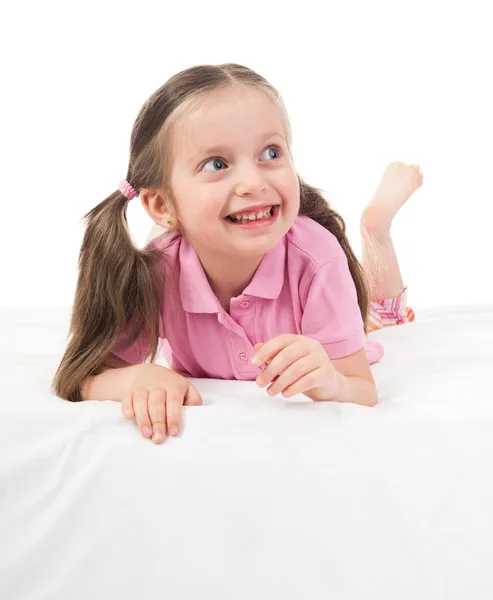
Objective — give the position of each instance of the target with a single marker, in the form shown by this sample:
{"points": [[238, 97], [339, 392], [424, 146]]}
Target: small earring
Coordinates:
{"points": [[169, 222]]}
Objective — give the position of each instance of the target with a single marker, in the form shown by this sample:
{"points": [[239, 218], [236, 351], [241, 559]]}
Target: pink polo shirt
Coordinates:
{"points": [[302, 286]]}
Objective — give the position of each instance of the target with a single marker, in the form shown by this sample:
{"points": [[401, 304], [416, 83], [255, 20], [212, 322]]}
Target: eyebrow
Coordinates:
{"points": [[218, 148]]}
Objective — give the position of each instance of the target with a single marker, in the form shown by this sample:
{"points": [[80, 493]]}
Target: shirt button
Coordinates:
{"points": [[243, 356], [245, 304]]}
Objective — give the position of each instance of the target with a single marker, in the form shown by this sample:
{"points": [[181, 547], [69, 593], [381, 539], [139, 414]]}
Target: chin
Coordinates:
{"points": [[258, 245]]}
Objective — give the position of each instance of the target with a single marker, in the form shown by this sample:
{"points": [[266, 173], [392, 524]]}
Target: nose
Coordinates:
{"points": [[250, 182]]}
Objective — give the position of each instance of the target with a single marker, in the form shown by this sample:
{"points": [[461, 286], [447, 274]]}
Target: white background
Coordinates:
{"points": [[365, 83]]}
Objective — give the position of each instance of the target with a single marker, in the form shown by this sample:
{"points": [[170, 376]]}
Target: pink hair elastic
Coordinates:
{"points": [[127, 190]]}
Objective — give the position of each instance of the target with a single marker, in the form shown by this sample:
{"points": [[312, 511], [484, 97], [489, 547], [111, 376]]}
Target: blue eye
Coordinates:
{"points": [[274, 151], [216, 162]]}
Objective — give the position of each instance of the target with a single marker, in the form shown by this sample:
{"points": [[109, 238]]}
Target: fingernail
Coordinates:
{"points": [[173, 430], [255, 360], [127, 413], [147, 431], [158, 436]]}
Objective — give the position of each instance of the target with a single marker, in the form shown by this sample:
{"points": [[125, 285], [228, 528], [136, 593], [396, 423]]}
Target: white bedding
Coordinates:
{"points": [[259, 498]]}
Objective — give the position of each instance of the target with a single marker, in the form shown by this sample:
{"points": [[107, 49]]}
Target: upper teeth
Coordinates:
{"points": [[266, 212]]}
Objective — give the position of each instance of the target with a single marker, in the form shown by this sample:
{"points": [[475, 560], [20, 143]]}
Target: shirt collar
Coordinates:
{"points": [[269, 276], [197, 295], [195, 291]]}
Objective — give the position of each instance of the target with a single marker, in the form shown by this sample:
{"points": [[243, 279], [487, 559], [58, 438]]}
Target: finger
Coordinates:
{"points": [[302, 385], [257, 347], [292, 374], [142, 413], [271, 348], [192, 397], [157, 414], [286, 357], [127, 408], [174, 404]]}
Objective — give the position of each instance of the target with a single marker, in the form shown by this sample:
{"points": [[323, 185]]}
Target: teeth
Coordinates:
{"points": [[261, 214]]}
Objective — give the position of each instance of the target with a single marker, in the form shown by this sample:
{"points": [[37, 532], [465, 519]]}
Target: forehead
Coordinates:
{"points": [[231, 116]]}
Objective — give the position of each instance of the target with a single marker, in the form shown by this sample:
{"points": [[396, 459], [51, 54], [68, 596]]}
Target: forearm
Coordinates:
{"points": [[112, 384], [347, 389]]}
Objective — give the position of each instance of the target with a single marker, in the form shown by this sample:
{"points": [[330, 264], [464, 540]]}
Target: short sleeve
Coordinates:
{"points": [[331, 313]]}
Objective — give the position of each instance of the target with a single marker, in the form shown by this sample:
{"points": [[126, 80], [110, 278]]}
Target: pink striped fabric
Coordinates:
{"points": [[385, 312]]}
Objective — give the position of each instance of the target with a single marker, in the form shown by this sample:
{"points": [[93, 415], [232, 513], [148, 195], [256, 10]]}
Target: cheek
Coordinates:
{"points": [[201, 214], [212, 202], [291, 192], [206, 209], [197, 202]]}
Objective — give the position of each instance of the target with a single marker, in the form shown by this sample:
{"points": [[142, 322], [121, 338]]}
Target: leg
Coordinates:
{"points": [[387, 292], [381, 265], [380, 262]]}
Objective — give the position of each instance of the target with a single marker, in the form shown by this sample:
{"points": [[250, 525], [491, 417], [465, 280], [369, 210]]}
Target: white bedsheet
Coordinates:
{"points": [[259, 498]]}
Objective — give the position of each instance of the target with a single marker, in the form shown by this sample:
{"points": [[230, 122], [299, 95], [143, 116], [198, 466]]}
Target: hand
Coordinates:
{"points": [[156, 400], [301, 366]]}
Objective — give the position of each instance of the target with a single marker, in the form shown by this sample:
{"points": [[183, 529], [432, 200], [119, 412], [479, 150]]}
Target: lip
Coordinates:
{"points": [[254, 208]]}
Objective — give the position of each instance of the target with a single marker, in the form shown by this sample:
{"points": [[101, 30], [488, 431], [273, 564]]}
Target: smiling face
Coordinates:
{"points": [[231, 157]]}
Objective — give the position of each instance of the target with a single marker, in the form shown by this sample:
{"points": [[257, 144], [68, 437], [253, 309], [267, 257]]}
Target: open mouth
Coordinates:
{"points": [[260, 215]]}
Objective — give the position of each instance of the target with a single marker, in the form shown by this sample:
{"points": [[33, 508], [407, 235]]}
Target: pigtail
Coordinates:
{"points": [[119, 289], [315, 206]]}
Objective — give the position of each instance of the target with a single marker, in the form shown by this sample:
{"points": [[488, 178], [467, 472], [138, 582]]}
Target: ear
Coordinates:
{"points": [[157, 206]]}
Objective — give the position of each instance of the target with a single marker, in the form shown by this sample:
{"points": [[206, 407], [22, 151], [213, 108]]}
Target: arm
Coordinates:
{"points": [[150, 393], [355, 382], [113, 381], [331, 315], [297, 364]]}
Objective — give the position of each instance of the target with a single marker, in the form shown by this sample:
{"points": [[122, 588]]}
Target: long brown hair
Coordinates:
{"points": [[121, 287]]}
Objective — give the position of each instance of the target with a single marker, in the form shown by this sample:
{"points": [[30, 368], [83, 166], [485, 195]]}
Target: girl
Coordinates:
{"points": [[254, 278]]}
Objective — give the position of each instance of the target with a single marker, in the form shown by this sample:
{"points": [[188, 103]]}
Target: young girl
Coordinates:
{"points": [[254, 278]]}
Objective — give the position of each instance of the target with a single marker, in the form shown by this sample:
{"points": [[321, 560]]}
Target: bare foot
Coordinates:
{"points": [[397, 185]]}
